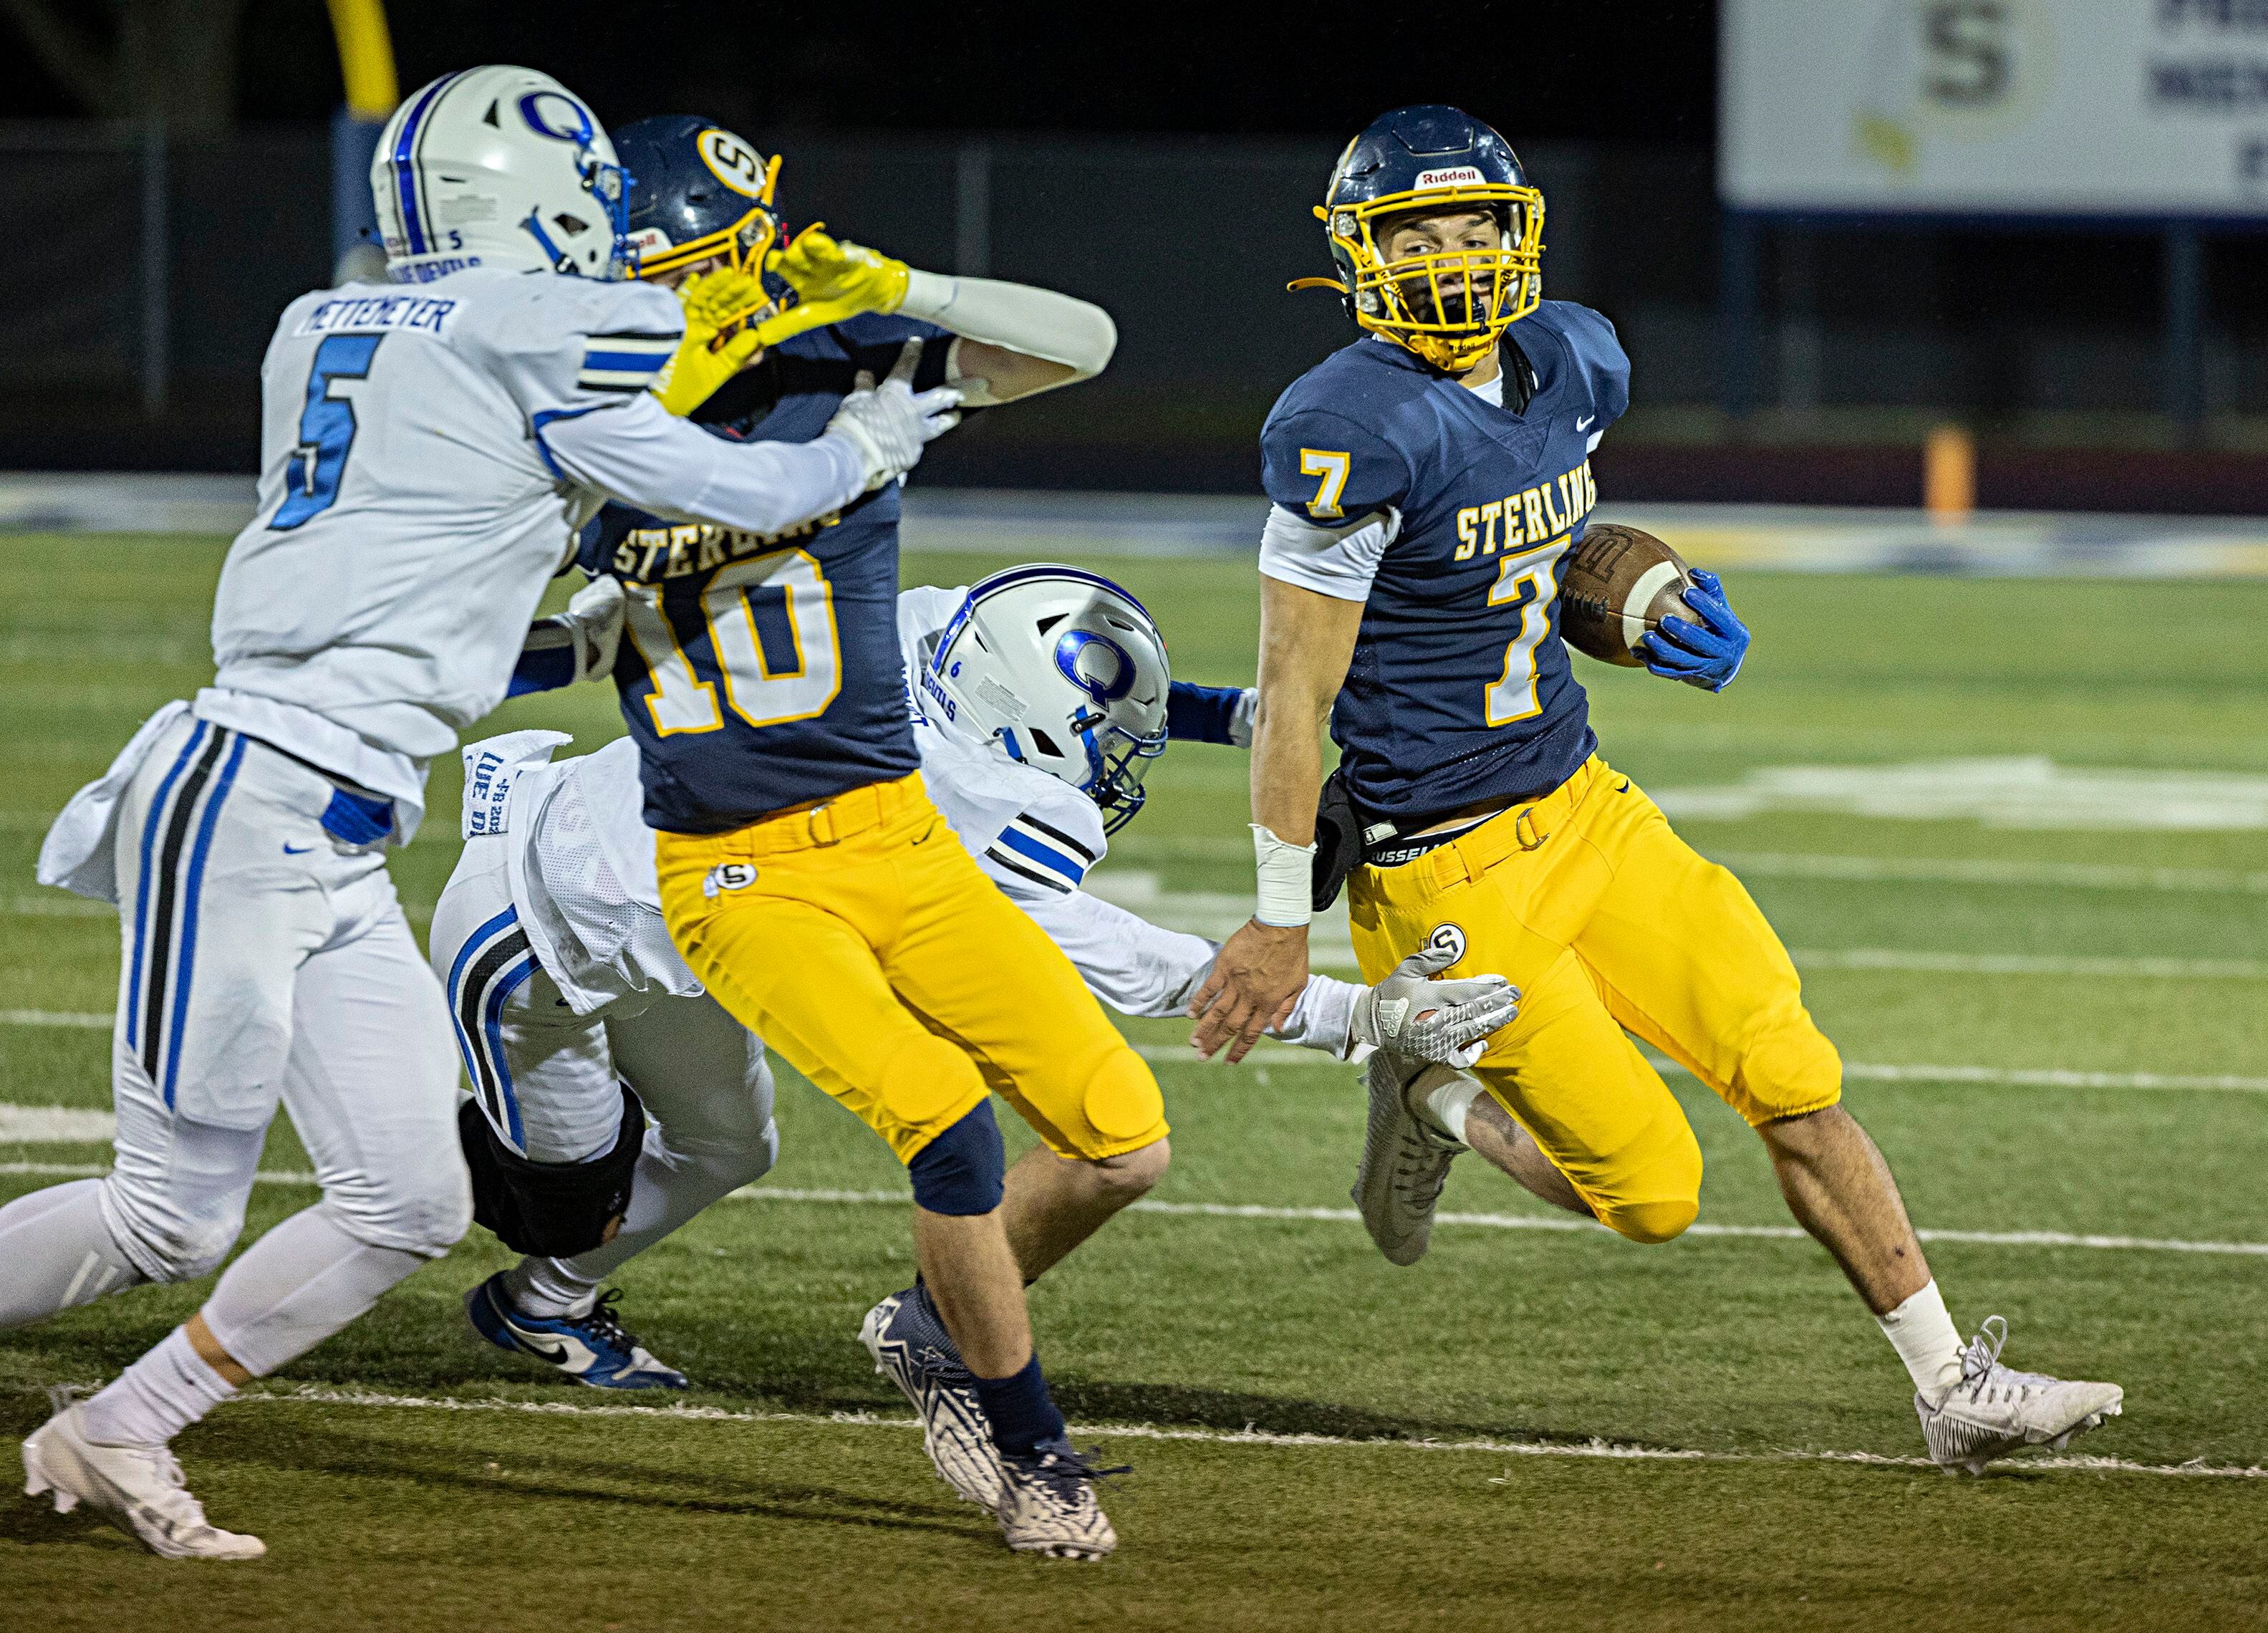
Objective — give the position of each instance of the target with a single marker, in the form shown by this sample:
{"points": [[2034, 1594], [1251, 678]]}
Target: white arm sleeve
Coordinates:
{"points": [[1130, 964], [1016, 317], [1324, 1017], [1337, 562], [638, 452]]}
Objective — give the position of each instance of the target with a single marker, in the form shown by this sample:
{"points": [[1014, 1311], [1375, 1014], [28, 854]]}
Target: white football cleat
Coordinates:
{"points": [[1405, 1159], [1996, 1410], [913, 1350], [137, 1489], [1048, 1504]]}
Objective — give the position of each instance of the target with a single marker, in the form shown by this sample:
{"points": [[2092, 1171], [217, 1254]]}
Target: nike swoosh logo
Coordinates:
{"points": [[1583, 423], [297, 850]]}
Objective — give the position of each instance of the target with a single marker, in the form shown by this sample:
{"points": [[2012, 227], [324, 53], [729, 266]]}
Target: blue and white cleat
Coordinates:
{"points": [[590, 1349], [913, 1350]]}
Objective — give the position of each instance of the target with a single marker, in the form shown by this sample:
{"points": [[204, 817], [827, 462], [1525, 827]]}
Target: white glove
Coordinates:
{"points": [[591, 628], [1240, 719], [593, 622], [1410, 1014], [889, 425]]}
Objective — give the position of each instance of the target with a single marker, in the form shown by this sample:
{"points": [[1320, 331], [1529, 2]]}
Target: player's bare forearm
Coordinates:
{"points": [[1306, 640]]}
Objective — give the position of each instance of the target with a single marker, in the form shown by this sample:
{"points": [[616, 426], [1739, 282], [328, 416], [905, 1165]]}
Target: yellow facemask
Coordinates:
{"points": [[1449, 308]]}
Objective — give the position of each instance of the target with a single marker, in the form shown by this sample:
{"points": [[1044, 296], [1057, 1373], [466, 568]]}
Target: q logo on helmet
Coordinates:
{"points": [[731, 161], [1081, 653], [546, 111]]}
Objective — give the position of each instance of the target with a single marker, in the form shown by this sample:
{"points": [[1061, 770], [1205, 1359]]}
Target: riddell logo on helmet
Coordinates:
{"points": [[1454, 176]]}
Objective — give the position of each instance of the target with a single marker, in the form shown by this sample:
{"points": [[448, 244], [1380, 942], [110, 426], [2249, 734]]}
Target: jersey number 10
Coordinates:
{"points": [[758, 689]]}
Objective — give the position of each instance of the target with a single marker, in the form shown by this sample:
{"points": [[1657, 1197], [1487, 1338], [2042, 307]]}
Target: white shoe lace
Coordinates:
{"points": [[1984, 1380]]}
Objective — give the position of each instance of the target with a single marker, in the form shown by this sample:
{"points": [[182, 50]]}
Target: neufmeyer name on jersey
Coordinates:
{"points": [[408, 314]]}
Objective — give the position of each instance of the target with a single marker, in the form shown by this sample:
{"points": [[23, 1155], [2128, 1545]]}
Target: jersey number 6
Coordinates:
{"points": [[763, 686]]}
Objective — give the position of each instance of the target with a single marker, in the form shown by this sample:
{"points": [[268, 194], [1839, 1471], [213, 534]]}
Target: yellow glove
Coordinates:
{"points": [[719, 340], [833, 279]]}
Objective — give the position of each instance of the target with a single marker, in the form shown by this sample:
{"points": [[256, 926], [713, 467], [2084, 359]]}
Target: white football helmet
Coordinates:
{"points": [[499, 166], [1066, 671]]}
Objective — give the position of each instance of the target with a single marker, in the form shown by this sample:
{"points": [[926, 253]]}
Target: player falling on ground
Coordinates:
{"points": [[567, 991], [427, 453], [809, 884], [1428, 480]]}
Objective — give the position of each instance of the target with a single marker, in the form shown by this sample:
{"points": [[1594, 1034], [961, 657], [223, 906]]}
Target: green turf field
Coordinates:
{"points": [[1533, 1427]]}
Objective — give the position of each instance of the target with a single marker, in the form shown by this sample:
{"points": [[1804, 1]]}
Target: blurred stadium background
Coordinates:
{"points": [[2034, 224], [1956, 288]]}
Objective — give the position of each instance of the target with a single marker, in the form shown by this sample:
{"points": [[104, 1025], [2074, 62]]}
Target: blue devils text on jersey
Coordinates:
{"points": [[1459, 689], [760, 672]]}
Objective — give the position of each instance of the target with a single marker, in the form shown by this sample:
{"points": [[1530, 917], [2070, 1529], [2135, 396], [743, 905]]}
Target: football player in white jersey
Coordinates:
{"points": [[427, 451], [579, 1021]]}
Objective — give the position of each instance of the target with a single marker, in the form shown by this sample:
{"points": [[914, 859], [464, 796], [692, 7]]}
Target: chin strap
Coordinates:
{"points": [[561, 261]]}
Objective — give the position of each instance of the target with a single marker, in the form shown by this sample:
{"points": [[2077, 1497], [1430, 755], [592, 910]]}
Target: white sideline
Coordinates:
{"points": [[1601, 1450], [1554, 1223]]}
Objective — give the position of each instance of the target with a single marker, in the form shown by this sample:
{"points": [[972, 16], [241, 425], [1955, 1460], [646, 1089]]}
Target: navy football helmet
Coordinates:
{"points": [[1452, 307], [696, 191]]}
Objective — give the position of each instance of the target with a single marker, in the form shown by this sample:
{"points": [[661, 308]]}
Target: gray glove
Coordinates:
{"points": [[889, 425], [1410, 1014]]}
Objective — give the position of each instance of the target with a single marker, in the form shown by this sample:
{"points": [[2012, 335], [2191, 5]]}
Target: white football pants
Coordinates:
{"points": [[263, 961], [548, 1079]]}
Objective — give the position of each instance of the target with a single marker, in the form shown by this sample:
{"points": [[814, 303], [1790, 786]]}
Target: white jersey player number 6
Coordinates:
{"points": [[759, 688]]}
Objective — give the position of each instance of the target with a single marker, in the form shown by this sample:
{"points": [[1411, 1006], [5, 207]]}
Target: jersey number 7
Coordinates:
{"points": [[1530, 582], [326, 430]]}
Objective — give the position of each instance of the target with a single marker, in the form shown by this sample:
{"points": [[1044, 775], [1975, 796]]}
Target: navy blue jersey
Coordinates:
{"points": [[1459, 689], [762, 671]]}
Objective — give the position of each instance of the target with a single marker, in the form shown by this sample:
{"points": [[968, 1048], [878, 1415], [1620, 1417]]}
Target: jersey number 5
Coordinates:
{"points": [[326, 430], [762, 686], [1530, 582]]}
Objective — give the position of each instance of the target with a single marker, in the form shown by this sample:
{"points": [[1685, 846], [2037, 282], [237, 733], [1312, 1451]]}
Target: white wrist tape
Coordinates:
{"points": [[1016, 317], [1286, 872]]}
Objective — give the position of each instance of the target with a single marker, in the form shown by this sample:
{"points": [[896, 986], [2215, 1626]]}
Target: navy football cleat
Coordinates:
{"points": [[590, 1349]]}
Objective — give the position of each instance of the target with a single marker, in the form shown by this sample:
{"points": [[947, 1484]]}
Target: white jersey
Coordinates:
{"points": [[409, 514], [427, 454], [584, 884]]}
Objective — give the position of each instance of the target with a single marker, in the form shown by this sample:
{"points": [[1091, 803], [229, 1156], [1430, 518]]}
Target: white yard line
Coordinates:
{"points": [[56, 904], [1858, 870], [81, 1019], [1555, 1224], [317, 1395], [1273, 1056]]}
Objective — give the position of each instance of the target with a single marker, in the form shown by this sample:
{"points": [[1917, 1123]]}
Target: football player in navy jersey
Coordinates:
{"points": [[1427, 482], [807, 879]]}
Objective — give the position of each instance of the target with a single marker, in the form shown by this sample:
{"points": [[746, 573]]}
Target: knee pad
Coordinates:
{"points": [[175, 1237], [552, 1210], [1657, 1189], [1123, 1101], [1651, 1223], [1788, 1069], [926, 1080], [962, 1170]]}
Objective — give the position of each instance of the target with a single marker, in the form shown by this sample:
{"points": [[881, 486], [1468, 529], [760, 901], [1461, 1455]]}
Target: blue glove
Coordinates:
{"points": [[1707, 654]]}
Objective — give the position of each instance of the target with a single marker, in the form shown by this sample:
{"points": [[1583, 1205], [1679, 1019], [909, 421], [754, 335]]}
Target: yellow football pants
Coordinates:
{"points": [[1607, 921], [858, 939]]}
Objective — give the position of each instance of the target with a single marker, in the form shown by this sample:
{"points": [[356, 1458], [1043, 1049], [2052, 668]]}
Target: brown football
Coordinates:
{"points": [[1617, 583]]}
